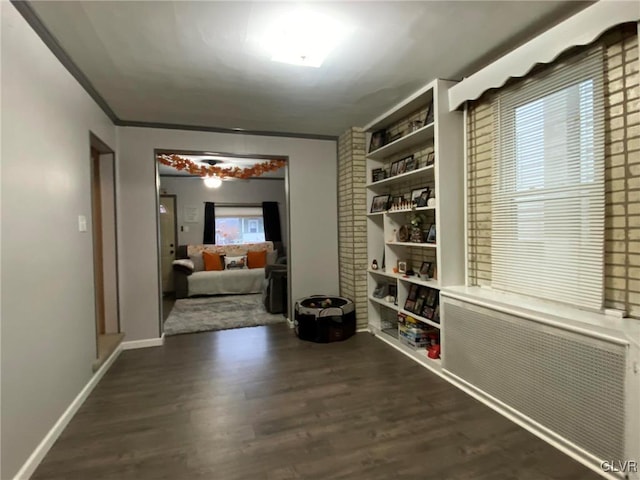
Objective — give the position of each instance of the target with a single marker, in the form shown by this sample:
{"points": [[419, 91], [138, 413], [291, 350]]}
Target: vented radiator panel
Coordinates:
{"points": [[574, 385]]}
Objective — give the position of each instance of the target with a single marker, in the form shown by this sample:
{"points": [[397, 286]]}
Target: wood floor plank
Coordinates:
{"points": [[260, 404]]}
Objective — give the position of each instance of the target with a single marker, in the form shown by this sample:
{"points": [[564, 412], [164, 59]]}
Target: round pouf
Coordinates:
{"points": [[324, 319]]}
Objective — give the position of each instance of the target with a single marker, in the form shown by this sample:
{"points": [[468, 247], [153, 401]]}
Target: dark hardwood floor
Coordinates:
{"points": [[258, 403]]}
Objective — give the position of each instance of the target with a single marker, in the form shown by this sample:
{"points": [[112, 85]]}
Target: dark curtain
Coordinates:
{"points": [[271, 216], [209, 223]]}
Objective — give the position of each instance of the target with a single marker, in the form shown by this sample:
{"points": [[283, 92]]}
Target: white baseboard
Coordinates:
{"points": [[363, 330], [50, 438], [147, 342]]}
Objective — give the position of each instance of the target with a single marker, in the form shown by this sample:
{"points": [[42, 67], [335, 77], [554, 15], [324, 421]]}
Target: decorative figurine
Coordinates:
{"points": [[374, 264]]}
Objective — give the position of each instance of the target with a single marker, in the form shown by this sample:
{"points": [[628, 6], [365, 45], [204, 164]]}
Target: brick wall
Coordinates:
{"points": [[352, 220], [622, 175]]}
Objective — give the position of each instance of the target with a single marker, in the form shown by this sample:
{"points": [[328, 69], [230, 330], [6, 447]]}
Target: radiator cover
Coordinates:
{"points": [[571, 384]]}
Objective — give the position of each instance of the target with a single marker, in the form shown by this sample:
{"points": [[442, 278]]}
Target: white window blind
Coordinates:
{"points": [[548, 190]]}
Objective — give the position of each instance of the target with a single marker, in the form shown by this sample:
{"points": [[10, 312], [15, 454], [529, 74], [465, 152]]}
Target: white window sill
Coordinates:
{"points": [[611, 326]]}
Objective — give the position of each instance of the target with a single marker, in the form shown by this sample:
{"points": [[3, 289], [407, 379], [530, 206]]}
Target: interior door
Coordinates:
{"points": [[168, 240]]}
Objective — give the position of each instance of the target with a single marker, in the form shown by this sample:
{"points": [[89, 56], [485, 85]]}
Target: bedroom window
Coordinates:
{"points": [[548, 198], [236, 225]]}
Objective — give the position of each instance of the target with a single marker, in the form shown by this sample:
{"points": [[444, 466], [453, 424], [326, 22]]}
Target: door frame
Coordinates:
{"points": [[178, 151], [104, 150], [175, 228]]}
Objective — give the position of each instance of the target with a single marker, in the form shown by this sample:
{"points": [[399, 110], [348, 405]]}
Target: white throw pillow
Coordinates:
{"points": [[235, 262]]}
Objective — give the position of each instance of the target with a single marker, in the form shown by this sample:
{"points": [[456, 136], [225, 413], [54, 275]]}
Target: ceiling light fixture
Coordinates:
{"points": [[304, 38], [212, 182]]}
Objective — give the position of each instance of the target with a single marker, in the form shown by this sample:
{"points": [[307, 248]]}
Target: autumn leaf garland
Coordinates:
{"points": [[181, 163]]}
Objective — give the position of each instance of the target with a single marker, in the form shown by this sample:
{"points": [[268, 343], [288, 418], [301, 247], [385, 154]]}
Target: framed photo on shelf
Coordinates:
{"points": [[432, 298], [401, 166], [413, 292], [402, 266], [409, 163], [379, 203], [394, 168], [394, 137], [423, 198], [428, 119], [410, 305], [377, 174], [377, 140], [416, 193], [425, 269], [431, 234], [427, 312], [393, 291], [431, 158], [397, 200], [418, 307]]}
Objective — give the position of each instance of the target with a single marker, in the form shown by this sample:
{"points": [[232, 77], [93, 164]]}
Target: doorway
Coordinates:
{"points": [[241, 222], [105, 254]]}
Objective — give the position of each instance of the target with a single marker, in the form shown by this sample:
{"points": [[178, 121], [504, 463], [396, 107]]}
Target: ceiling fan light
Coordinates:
{"points": [[212, 182]]}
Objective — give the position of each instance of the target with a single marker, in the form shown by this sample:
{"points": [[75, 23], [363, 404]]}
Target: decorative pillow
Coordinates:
{"points": [[257, 259], [198, 262], [183, 265], [212, 261], [272, 257], [235, 262]]}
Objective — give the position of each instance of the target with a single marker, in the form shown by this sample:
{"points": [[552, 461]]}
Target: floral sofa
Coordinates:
{"points": [[191, 279]]}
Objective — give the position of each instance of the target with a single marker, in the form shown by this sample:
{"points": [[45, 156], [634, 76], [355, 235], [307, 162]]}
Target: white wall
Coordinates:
{"points": [[191, 191], [48, 312], [313, 249]]}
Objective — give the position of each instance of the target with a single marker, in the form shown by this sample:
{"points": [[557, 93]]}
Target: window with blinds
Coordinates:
{"points": [[548, 194]]}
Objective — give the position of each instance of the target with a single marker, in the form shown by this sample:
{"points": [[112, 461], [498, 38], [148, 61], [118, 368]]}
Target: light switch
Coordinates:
{"points": [[82, 223], [186, 228]]}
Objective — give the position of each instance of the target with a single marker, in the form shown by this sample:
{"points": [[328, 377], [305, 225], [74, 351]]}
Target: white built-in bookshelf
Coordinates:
{"points": [[437, 149]]}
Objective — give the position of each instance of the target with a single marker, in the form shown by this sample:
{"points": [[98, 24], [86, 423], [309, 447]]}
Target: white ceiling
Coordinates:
{"points": [[204, 64]]}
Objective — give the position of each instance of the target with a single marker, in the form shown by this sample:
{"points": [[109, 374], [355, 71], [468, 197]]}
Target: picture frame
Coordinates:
{"points": [[409, 305], [427, 312], [415, 194], [418, 307], [423, 198], [394, 168], [394, 137], [431, 158], [401, 166], [428, 119], [425, 269], [431, 234], [393, 291], [379, 203], [377, 140], [377, 174], [432, 298], [409, 163], [402, 266], [413, 292]]}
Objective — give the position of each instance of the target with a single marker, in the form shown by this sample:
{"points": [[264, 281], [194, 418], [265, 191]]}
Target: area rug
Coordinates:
{"points": [[190, 315]]}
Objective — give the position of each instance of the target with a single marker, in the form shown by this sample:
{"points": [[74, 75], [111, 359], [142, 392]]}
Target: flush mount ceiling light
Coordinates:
{"points": [[212, 182], [304, 38]]}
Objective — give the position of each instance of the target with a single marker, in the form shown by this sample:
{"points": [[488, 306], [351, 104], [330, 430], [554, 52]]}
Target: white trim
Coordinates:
{"points": [[147, 342], [363, 330], [581, 29], [575, 452], [38, 454]]}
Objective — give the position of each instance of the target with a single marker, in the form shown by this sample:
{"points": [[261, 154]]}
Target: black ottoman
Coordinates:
{"points": [[325, 319]]}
